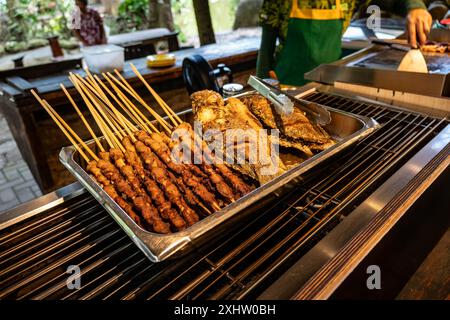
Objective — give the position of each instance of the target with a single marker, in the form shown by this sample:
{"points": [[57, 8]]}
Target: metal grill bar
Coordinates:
{"points": [[36, 252]]}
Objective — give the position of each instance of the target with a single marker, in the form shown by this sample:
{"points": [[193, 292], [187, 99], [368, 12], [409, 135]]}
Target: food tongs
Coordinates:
{"points": [[284, 103]]}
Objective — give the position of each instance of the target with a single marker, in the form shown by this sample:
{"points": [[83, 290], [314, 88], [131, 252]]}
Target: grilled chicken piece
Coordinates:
{"points": [[231, 118], [296, 130]]}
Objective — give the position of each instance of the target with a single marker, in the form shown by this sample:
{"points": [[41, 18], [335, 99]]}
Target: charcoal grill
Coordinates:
{"points": [[264, 258]]}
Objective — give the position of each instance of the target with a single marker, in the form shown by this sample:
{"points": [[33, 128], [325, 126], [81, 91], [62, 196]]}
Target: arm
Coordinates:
{"points": [[266, 51], [103, 34]]}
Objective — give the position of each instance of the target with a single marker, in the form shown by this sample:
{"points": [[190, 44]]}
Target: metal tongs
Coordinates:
{"points": [[284, 103]]}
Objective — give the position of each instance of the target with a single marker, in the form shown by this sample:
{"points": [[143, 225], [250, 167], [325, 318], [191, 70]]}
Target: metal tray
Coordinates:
{"points": [[345, 127]]}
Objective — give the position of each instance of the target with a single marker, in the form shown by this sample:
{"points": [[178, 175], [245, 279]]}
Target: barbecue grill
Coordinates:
{"points": [[306, 243]]}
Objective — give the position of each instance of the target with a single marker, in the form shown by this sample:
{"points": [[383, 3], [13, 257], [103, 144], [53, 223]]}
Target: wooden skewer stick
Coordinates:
{"points": [[142, 120], [93, 87], [119, 103], [161, 102], [83, 118], [80, 151], [116, 117], [69, 129], [113, 131], [91, 109], [135, 95], [119, 117], [98, 104], [157, 97], [128, 88], [127, 105], [139, 99]]}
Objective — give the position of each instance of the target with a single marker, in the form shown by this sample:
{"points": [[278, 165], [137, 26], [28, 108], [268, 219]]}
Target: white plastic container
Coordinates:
{"points": [[104, 58]]}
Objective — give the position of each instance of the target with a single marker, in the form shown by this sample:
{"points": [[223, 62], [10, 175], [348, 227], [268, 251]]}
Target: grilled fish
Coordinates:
{"points": [[232, 119], [295, 128]]}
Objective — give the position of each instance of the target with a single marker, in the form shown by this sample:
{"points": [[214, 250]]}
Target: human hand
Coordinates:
{"points": [[418, 24]]}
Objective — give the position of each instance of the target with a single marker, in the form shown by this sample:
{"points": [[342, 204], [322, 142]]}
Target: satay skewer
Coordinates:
{"points": [[160, 101], [127, 104], [166, 126], [100, 146], [135, 95], [111, 134], [90, 107]]}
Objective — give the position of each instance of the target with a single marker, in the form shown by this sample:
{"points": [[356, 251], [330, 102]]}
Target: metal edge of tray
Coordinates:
{"points": [[159, 247]]}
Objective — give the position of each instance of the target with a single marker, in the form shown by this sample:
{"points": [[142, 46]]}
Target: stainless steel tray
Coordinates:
{"points": [[345, 127]]}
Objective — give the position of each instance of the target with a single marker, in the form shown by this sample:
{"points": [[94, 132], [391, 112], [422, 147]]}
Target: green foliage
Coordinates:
{"points": [[133, 15], [31, 21]]}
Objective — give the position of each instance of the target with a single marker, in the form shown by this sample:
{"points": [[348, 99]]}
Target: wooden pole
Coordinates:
{"points": [[204, 23]]}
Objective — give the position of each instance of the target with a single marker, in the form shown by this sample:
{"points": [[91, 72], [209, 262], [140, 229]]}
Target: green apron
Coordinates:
{"points": [[313, 37]]}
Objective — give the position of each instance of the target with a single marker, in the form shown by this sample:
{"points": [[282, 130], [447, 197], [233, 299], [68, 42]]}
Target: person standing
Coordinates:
{"points": [[309, 33], [89, 28]]}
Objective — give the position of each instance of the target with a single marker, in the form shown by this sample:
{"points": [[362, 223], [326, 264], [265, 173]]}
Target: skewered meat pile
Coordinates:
{"points": [[136, 165], [158, 194]]}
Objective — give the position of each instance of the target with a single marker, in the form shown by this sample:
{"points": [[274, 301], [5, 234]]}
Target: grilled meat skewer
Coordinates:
{"points": [[188, 178], [146, 209], [157, 195], [241, 188], [160, 174], [111, 191], [220, 185]]}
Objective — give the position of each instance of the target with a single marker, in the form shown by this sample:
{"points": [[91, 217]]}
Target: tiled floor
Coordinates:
{"points": [[17, 185]]}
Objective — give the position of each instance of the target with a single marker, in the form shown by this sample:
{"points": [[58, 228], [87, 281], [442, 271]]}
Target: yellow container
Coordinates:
{"points": [[161, 60]]}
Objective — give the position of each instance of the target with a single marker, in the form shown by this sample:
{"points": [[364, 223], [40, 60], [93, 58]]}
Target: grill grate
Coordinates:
{"points": [[36, 253]]}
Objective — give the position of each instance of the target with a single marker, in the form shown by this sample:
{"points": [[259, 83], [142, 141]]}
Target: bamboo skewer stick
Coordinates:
{"points": [[135, 95], [164, 124], [45, 105], [112, 129], [129, 105], [103, 99], [93, 87], [118, 119], [91, 109], [69, 129], [119, 103], [158, 98], [128, 88], [83, 118], [161, 102]]}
